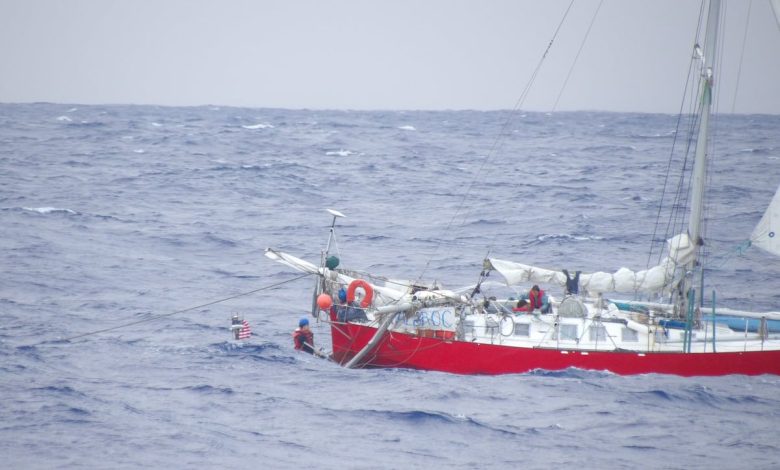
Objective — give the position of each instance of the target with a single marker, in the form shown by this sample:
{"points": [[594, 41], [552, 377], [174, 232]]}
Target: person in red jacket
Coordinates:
{"points": [[538, 300], [303, 337]]}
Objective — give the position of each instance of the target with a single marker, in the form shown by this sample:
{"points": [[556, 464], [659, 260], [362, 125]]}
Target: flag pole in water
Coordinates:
{"points": [[240, 328]]}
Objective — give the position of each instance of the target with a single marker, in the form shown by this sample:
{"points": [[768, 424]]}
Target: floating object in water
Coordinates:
{"points": [[240, 328]]}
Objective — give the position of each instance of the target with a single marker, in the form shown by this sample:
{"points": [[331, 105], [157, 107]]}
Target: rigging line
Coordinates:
{"points": [[715, 128], [677, 217], [574, 64], [502, 133], [668, 169], [157, 317], [674, 144], [741, 56], [499, 138]]}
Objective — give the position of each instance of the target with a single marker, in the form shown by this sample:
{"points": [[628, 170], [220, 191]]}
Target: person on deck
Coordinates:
{"points": [[537, 299], [303, 337]]}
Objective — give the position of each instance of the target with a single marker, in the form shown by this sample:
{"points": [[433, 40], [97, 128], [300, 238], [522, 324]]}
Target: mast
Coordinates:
{"points": [[700, 162], [319, 284]]}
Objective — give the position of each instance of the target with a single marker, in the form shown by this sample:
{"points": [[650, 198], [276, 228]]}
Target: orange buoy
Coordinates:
{"points": [[369, 292], [324, 301]]}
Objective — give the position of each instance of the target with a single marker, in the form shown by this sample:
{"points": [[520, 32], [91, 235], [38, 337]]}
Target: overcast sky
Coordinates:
{"points": [[381, 54]]}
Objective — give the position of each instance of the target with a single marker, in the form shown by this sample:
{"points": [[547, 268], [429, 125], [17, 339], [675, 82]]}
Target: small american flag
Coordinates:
{"points": [[245, 332]]}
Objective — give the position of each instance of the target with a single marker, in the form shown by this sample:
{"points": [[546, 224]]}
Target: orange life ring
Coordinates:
{"points": [[366, 288]]}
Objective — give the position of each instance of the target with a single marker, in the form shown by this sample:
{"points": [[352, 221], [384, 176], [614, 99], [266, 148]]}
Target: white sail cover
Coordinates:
{"points": [[655, 279], [766, 235]]}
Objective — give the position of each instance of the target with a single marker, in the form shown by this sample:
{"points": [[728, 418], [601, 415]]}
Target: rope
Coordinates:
{"points": [[157, 317], [741, 56], [579, 51], [676, 218], [496, 145]]}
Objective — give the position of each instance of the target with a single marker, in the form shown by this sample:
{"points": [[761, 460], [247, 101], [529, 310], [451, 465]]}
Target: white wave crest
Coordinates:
{"points": [[407, 128], [566, 236], [48, 210], [259, 126], [340, 153], [64, 119]]}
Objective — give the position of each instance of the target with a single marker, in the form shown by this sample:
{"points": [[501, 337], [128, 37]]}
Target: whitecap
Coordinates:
{"points": [[139, 151], [64, 119], [566, 236], [259, 126], [407, 128], [340, 153], [156, 124], [48, 210], [72, 110]]}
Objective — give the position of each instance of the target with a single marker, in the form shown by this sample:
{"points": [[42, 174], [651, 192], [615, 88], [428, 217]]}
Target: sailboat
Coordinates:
{"points": [[381, 322]]}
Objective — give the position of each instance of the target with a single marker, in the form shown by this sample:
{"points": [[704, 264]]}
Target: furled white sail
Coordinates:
{"points": [[386, 293], [291, 261], [655, 279], [766, 235]]}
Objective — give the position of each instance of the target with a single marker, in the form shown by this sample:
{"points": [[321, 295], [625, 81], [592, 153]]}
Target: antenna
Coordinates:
{"points": [[336, 215]]}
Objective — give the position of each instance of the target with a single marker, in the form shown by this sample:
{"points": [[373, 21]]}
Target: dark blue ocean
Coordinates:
{"points": [[118, 214]]}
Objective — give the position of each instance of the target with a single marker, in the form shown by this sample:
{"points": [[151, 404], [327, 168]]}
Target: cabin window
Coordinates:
{"points": [[522, 329], [567, 332], [628, 335], [597, 333]]}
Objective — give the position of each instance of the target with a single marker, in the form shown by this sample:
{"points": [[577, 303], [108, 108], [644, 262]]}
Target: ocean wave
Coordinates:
{"points": [[407, 128], [60, 390], [210, 390], [479, 222], [566, 237], [340, 153], [258, 126], [220, 241], [570, 373], [609, 148], [49, 210], [263, 352], [757, 150], [422, 417]]}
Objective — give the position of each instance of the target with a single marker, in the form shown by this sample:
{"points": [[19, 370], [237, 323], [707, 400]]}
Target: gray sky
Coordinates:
{"points": [[380, 54]]}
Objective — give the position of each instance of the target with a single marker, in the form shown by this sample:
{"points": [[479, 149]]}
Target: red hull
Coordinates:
{"points": [[459, 357]]}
